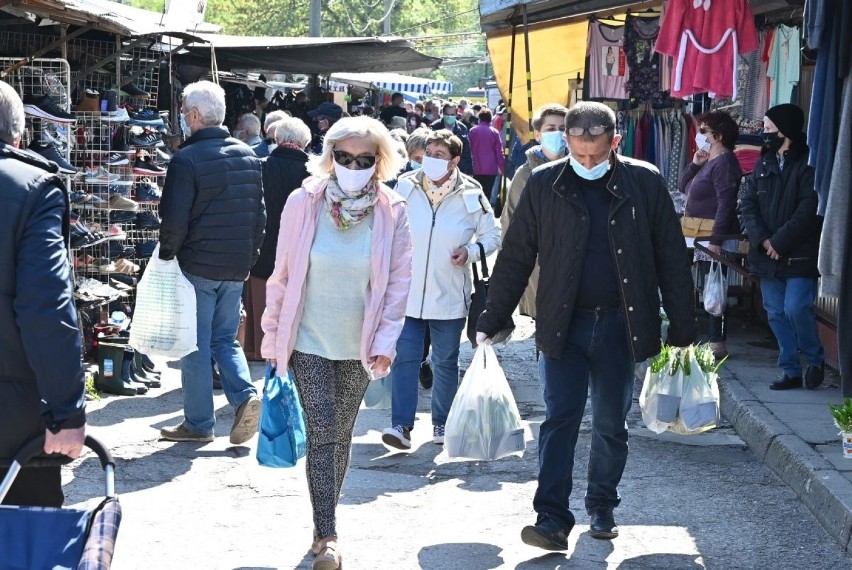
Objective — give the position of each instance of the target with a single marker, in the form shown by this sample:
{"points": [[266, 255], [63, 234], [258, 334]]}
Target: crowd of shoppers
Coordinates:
{"points": [[346, 280]]}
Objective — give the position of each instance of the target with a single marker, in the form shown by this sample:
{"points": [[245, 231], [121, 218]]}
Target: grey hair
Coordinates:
{"points": [[250, 123], [291, 130], [11, 114], [273, 117], [417, 141], [209, 99], [588, 114], [388, 162]]}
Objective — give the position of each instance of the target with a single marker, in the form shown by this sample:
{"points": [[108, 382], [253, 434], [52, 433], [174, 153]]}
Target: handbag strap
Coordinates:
{"points": [[482, 261]]}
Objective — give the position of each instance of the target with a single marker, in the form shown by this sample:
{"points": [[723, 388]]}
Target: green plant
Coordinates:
{"points": [[842, 415], [91, 391]]}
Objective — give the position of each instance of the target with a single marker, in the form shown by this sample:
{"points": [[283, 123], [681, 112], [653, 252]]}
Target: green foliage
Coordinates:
{"points": [[842, 415], [359, 18]]}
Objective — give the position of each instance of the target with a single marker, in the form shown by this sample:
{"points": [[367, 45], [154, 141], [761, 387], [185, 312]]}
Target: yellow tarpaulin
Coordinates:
{"points": [[557, 55]]}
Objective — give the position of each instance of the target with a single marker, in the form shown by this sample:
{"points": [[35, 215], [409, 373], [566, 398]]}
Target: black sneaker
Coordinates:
{"points": [[147, 192], [603, 524], [547, 533], [121, 216], [145, 249], [130, 90], [49, 152], [117, 159], [786, 383], [146, 118], [42, 106], [147, 221], [146, 166], [144, 139], [119, 141]]}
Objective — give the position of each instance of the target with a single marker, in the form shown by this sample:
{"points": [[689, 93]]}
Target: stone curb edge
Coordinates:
{"points": [[824, 491]]}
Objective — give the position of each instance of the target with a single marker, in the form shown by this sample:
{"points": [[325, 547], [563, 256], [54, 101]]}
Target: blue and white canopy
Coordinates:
{"points": [[393, 82]]}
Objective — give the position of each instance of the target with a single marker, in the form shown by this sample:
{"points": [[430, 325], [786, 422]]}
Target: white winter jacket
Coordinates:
{"points": [[439, 289]]}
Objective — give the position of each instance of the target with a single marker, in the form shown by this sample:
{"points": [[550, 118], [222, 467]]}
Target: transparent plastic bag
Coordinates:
{"points": [[164, 318], [484, 422], [379, 394], [716, 290], [661, 394], [699, 405]]}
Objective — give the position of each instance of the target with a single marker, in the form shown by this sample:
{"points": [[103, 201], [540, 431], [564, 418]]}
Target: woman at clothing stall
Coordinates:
{"points": [[284, 170], [335, 303], [711, 182], [549, 130], [449, 217], [779, 211]]}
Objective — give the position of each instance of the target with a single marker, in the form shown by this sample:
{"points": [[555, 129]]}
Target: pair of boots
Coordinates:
{"points": [[122, 370]]}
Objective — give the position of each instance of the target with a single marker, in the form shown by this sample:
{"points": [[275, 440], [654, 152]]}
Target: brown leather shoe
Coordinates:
{"points": [[329, 555]]}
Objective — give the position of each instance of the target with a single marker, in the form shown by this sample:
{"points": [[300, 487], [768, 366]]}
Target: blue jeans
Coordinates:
{"points": [[446, 340], [789, 304], [218, 318], [596, 360]]}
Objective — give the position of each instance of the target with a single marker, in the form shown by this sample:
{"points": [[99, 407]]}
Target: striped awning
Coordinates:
{"points": [[393, 82]]}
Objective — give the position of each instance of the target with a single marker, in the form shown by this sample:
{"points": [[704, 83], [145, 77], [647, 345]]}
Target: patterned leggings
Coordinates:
{"points": [[331, 392]]}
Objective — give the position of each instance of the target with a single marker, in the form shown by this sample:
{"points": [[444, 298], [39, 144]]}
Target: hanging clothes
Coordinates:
{"points": [[785, 65], [607, 70], [643, 85], [704, 37], [755, 100]]}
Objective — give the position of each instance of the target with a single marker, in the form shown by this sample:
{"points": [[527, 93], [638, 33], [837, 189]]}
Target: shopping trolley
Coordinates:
{"points": [[58, 538]]}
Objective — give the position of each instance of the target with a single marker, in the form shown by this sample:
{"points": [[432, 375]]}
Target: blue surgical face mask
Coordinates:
{"points": [[593, 173], [450, 119], [415, 165], [187, 132], [553, 142]]}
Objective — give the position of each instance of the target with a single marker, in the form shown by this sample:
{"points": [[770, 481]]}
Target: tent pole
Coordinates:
{"points": [[508, 144], [529, 74]]}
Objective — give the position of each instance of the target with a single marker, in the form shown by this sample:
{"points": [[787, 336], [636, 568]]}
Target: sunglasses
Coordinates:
{"points": [[705, 130], [363, 161], [594, 131]]}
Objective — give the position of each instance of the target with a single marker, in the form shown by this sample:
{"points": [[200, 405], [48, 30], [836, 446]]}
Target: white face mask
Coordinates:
{"points": [[435, 168], [352, 182], [701, 142]]}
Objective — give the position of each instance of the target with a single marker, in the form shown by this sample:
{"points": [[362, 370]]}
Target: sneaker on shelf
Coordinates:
{"points": [[96, 203], [84, 262], [106, 266], [44, 107], [117, 159], [59, 140], [130, 90], [144, 138], [80, 197], [144, 165], [163, 155], [90, 103], [119, 140], [125, 267], [397, 437], [118, 116], [100, 175], [146, 118], [116, 233], [49, 152], [119, 202], [145, 249], [125, 279], [147, 221], [121, 216], [147, 192]]}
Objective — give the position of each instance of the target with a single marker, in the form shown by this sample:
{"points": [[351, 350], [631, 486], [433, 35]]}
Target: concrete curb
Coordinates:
{"points": [[826, 493]]}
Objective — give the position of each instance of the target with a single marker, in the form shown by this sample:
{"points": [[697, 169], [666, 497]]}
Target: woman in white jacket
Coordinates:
{"points": [[449, 215]]}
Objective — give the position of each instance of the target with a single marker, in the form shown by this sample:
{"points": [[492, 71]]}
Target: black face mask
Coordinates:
{"points": [[772, 141]]}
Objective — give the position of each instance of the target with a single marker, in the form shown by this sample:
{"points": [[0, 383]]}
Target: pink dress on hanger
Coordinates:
{"points": [[705, 38]]}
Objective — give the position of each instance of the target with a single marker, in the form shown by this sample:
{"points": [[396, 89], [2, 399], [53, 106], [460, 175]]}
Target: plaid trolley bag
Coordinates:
{"points": [[59, 538]]}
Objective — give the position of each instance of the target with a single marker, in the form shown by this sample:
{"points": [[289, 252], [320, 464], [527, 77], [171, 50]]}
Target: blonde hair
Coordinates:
{"points": [[388, 160]]}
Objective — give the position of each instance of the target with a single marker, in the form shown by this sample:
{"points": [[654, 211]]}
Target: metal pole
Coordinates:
{"points": [[530, 132], [508, 146], [314, 28], [387, 23]]}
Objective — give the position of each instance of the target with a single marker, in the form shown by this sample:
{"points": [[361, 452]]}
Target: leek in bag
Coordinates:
{"points": [[657, 406], [699, 406], [715, 290], [484, 422]]}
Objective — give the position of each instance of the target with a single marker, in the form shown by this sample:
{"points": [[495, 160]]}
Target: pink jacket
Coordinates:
{"points": [[486, 146], [390, 274]]}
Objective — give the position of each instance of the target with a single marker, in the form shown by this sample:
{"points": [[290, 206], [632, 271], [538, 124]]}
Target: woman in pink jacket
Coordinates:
{"points": [[335, 303]]}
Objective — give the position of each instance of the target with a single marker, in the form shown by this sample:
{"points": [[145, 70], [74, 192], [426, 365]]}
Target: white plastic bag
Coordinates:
{"points": [[484, 422], [164, 320], [699, 405], [661, 393], [379, 394], [715, 290]]}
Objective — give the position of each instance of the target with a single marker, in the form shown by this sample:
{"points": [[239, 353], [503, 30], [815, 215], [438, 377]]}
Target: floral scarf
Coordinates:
{"points": [[346, 210]]}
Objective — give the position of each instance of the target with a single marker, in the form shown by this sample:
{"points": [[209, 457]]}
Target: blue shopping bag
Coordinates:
{"points": [[282, 440]]}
